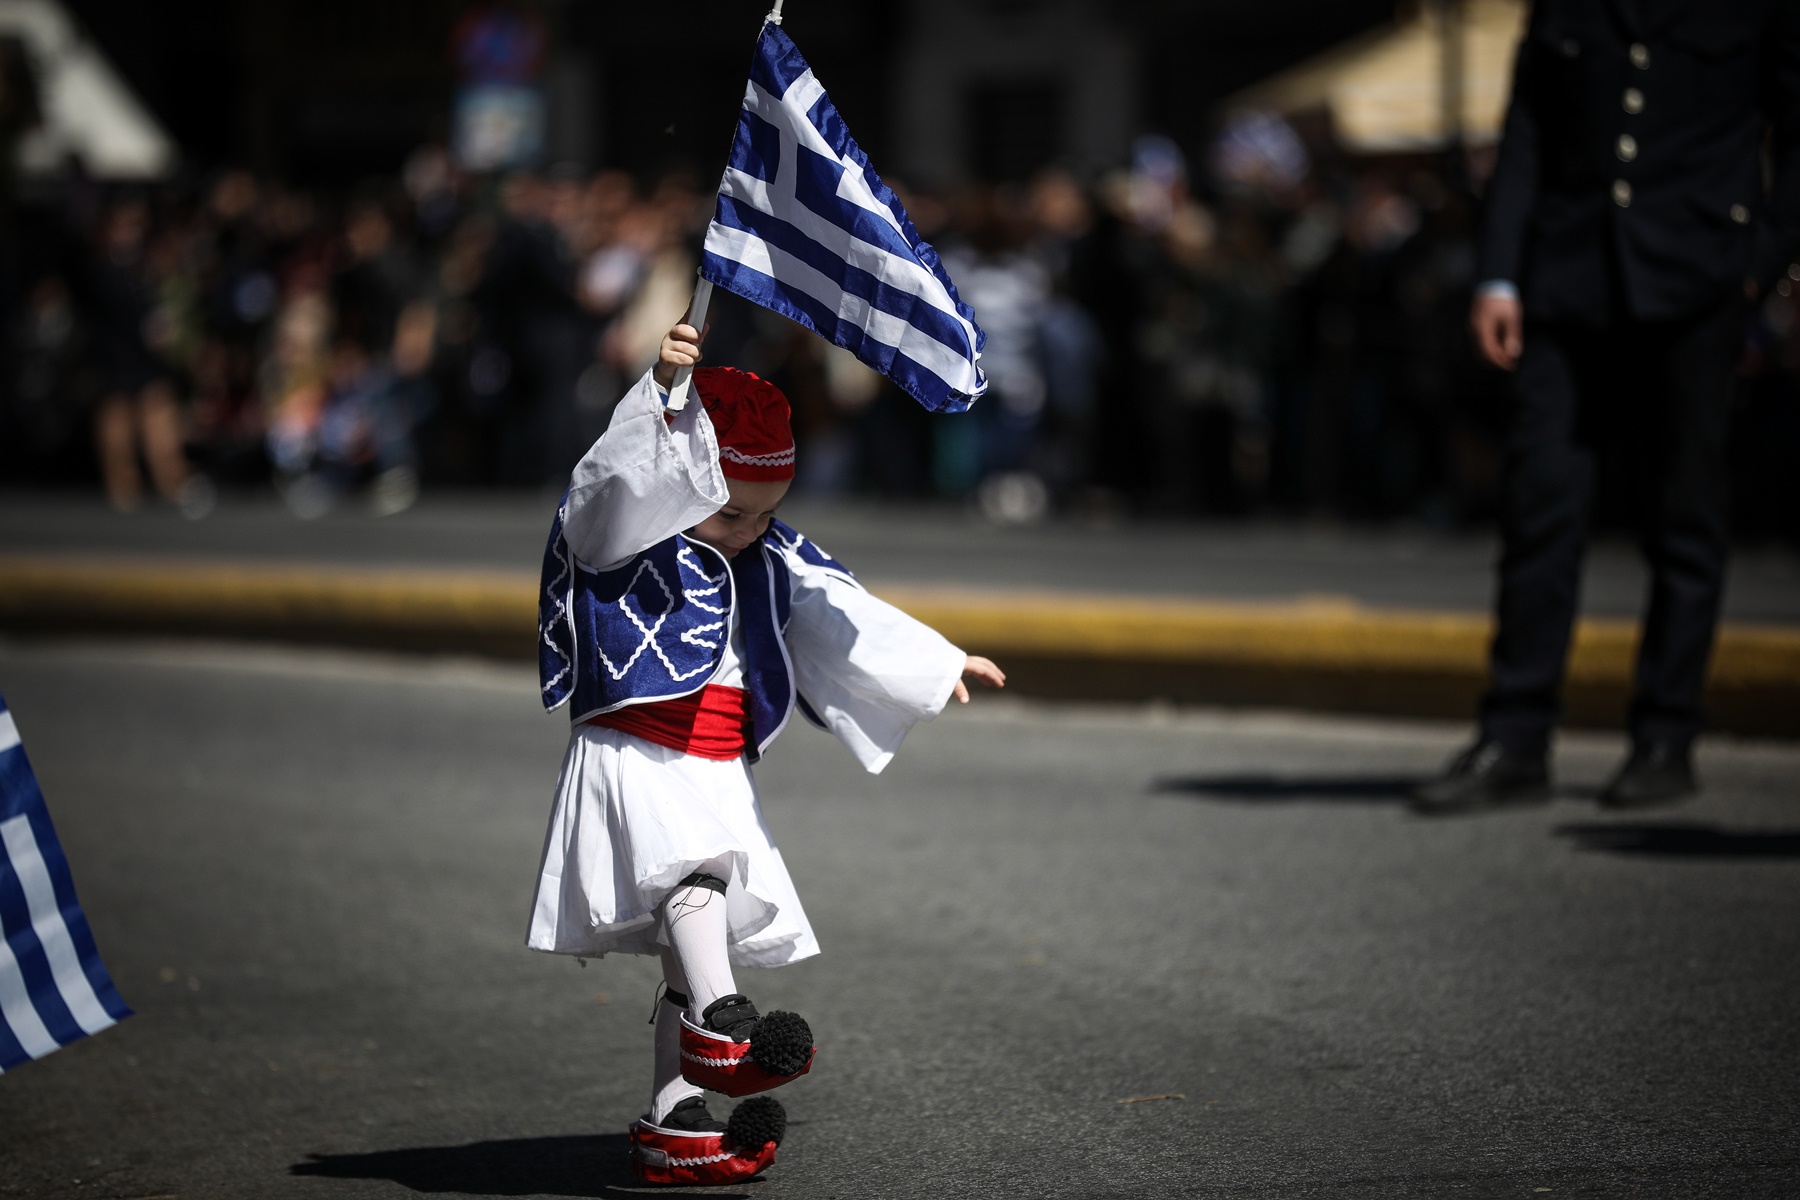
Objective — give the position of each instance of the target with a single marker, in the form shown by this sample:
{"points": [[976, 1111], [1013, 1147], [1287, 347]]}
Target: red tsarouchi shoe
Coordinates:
{"points": [[779, 1049], [745, 1147]]}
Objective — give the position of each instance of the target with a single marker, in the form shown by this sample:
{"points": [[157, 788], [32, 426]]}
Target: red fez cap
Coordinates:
{"points": [[750, 417]]}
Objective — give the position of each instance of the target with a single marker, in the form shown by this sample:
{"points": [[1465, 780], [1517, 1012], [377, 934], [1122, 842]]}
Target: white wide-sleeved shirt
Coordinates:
{"points": [[869, 671]]}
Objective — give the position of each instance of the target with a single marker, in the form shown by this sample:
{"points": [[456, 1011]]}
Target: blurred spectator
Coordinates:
{"points": [[50, 353], [1279, 331], [293, 378], [528, 292], [1071, 351], [430, 181], [1009, 288], [142, 329], [1259, 154], [376, 276], [656, 234]]}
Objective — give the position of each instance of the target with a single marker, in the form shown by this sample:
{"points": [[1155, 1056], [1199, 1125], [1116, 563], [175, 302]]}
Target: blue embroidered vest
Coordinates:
{"points": [[656, 627]]}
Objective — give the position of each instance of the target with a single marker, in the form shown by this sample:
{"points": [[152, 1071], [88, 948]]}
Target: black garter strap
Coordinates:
{"points": [[705, 882], [669, 996]]}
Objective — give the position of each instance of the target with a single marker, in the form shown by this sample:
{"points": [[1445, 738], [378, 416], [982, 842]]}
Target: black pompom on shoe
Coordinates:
{"points": [[782, 1043], [756, 1122]]}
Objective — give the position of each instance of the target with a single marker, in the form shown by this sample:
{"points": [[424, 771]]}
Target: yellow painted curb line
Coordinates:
{"points": [[1337, 636], [499, 608], [269, 598]]}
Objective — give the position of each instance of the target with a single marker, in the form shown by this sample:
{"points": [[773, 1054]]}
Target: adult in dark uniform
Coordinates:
{"points": [[1648, 184]]}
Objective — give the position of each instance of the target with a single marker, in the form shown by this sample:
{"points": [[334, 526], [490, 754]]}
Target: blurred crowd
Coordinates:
{"points": [[1271, 328]]}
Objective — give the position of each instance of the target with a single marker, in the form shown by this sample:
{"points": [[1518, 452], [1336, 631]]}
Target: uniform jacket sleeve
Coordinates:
{"points": [[644, 481], [1513, 190], [868, 671]]}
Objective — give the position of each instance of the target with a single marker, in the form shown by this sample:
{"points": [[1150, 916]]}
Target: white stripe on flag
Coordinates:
{"points": [[789, 111], [9, 731], [47, 923], [885, 328], [16, 1007], [902, 274], [789, 116]]}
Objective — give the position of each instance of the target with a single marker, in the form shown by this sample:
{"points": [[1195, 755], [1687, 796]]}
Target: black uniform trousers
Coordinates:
{"points": [[1665, 388]]}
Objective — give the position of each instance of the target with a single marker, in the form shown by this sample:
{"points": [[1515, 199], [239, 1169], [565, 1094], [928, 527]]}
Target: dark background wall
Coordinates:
{"points": [[326, 91]]}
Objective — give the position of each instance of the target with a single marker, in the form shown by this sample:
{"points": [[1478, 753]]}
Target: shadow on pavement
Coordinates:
{"points": [[546, 1166], [1684, 839], [1276, 789]]}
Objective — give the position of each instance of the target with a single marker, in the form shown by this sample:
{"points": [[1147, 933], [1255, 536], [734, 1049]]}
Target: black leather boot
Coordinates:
{"points": [[1657, 772], [1486, 775]]}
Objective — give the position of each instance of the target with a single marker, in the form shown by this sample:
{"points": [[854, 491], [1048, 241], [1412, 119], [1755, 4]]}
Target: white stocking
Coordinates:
{"points": [[669, 1088], [694, 923]]}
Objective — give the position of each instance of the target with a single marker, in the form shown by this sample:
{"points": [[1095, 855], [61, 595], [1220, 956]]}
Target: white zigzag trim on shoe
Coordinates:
{"points": [[711, 1062], [783, 458], [698, 1162]]}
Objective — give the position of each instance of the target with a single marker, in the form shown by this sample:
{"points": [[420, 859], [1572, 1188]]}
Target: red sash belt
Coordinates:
{"points": [[710, 723]]}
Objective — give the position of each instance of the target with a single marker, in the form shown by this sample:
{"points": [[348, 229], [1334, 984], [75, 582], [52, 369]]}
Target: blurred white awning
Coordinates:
{"points": [[88, 109], [1388, 91]]}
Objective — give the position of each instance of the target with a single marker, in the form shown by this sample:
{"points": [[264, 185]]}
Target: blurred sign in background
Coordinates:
{"points": [[357, 250], [499, 123]]}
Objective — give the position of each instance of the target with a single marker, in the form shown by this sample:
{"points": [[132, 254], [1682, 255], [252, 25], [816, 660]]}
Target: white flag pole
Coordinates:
{"points": [[678, 392]]}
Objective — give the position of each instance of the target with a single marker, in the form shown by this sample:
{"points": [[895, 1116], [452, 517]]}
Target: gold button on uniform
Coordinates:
{"points": [[1627, 147], [1740, 214], [1621, 193], [1640, 56], [1633, 101]]}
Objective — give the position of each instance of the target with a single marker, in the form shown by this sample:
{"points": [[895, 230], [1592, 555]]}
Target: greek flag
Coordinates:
{"points": [[53, 987], [805, 226]]}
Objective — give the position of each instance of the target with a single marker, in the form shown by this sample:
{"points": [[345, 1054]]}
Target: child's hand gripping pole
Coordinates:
{"points": [[680, 388]]}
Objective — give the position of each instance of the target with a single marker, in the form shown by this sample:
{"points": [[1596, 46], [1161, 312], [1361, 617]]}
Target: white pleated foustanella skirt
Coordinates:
{"points": [[631, 820]]}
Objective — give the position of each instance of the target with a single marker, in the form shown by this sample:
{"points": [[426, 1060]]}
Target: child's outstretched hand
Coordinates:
{"points": [[980, 668], [680, 348]]}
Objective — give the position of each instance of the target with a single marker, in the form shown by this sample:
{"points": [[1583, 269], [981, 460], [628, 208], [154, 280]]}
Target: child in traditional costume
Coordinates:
{"points": [[683, 625]]}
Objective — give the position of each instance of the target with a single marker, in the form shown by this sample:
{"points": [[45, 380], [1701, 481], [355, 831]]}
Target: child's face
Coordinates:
{"points": [[745, 516]]}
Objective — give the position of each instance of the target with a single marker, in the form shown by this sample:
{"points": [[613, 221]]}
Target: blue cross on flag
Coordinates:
{"points": [[53, 987], [804, 226]]}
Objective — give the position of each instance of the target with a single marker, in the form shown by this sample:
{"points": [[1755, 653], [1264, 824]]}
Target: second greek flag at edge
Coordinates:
{"points": [[53, 987]]}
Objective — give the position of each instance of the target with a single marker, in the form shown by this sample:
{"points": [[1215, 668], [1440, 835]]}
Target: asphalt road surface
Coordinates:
{"points": [[1068, 952]]}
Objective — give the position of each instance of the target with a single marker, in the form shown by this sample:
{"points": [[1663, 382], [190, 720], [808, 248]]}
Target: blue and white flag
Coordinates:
{"points": [[53, 987], [805, 226]]}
